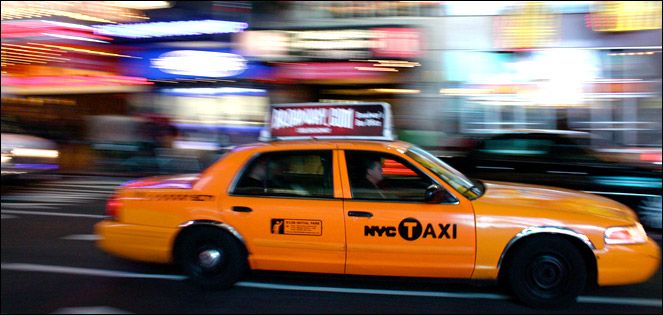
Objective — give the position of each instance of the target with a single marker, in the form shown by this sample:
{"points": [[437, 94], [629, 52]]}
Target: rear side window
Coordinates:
{"points": [[289, 174]]}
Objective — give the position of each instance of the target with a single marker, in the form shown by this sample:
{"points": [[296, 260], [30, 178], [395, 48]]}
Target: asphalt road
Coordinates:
{"points": [[50, 265]]}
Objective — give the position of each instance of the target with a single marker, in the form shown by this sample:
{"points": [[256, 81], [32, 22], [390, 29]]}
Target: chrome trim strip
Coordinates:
{"points": [[496, 167], [564, 172], [544, 229], [228, 228]]}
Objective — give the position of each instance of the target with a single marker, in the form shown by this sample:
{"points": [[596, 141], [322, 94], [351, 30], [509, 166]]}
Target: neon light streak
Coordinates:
{"points": [[28, 47], [30, 51], [176, 28], [140, 5], [87, 51], [75, 38], [70, 25], [75, 81], [25, 60], [214, 91], [22, 55]]}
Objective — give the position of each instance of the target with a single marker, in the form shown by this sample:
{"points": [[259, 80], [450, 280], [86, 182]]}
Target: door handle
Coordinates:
{"points": [[242, 209], [362, 214]]}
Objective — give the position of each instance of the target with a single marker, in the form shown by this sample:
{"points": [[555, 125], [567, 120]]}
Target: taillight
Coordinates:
{"points": [[113, 206]]}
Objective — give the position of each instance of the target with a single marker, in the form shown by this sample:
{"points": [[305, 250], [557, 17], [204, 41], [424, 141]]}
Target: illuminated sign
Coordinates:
{"points": [[200, 63], [94, 11], [264, 44], [332, 44], [140, 5], [74, 80], [530, 25], [330, 121], [215, 91], [325, 71], [394, 42], [174, 28], [337, 44], [621, 16], [158, 63]]}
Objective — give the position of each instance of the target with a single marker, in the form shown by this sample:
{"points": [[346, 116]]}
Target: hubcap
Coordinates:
{"points": [[547, 272], [210, 258]]}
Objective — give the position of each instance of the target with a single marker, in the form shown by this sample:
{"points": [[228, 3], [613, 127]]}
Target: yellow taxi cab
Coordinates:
{"points": [[333, 192]]}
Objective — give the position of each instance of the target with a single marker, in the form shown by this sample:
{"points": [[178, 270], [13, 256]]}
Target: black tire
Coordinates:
{"points": [[211, 258], [546, 272]]}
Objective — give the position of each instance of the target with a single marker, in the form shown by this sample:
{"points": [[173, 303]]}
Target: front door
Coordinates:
{"points": [[391, 230]]}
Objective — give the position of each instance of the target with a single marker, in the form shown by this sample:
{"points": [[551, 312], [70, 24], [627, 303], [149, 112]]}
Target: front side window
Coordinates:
{"points": [[289, 174], [379, 176], [447, 173]]}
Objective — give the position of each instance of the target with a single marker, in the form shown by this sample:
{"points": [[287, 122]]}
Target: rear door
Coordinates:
{"points": [[284, 203]]}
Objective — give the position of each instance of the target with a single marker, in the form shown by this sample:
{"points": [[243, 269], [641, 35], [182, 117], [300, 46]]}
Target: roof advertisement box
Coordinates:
{"points": [[368, 121]]}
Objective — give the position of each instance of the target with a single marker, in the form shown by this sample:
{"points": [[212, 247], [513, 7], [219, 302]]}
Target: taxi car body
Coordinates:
{"points": [[306, 206]]}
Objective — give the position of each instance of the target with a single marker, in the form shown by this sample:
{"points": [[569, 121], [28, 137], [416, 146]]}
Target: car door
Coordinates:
{"points": [[395, 232], [288, 214], [523, 158]]}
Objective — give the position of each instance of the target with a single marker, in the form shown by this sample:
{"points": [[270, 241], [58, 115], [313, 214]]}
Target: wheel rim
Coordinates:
{"points": [[547, 275], [210, 259]]}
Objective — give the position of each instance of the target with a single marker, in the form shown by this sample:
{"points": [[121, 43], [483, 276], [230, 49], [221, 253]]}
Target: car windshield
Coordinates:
{"points": [[447, 173]]}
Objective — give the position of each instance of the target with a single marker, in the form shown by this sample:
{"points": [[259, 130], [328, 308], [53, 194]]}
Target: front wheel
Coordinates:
{"points": [[546, 273], [211, 257]]}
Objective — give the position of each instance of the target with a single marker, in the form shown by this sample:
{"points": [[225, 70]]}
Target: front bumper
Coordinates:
{"points": [[627, 264]]}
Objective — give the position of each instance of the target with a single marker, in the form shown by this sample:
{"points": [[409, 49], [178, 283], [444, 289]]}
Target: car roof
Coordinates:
{"points": [[303, 144], [546, 131]]}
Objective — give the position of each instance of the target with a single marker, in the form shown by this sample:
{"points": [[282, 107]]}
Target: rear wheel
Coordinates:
{"points": [[211, 257], [546, 273]]}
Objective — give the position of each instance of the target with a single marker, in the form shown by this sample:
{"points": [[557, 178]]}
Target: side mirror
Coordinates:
{"points": [[434, 194]]}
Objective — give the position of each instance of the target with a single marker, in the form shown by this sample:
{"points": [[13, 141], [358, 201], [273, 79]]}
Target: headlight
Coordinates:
{"points": [[634, 234], [35, 152], [6, 158]]}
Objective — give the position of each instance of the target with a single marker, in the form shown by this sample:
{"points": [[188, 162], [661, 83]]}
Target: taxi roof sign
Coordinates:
{"points": [[359, 121]]}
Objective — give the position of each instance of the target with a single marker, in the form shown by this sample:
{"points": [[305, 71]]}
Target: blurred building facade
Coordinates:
{"points": [[452, 70], [483, 67]]}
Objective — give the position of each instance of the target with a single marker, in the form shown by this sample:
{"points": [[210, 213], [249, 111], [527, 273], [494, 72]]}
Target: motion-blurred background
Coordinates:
{"points": [[155, 87]]}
